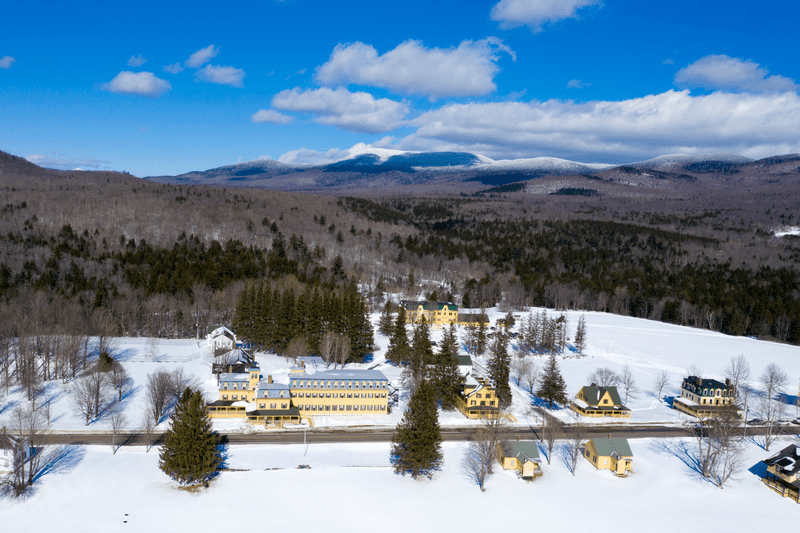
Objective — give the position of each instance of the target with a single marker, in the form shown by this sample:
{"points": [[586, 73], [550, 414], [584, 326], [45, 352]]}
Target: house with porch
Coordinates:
{"points": [[783, 472], [610, 454], [478, 398], [703, 397], [597, 402], [522, 456]]}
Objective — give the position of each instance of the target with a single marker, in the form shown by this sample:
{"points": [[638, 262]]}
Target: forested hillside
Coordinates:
{"points": [[110, 252]]}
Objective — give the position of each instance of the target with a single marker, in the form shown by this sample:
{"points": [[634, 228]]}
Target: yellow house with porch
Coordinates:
{"points": [[522, 456], [478, 399], [595, 401], [610, 454]]}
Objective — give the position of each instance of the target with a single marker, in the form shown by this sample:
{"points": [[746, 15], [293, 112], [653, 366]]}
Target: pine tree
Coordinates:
{"points": [[580, 335], [417, 441], [552, 388], [499, 367], [189, 454], [399, 349], [446, 377], [385, 322], [480, 340]]}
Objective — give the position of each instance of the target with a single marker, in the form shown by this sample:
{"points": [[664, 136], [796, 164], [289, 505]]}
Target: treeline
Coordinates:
{"points": [[272, 316], [608, 266]]}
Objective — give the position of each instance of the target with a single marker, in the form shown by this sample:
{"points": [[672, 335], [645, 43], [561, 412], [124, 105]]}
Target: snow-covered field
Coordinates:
{"points": [[351, 486]]}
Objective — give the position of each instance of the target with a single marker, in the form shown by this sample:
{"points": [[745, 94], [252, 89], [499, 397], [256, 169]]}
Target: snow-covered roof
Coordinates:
{"points": [[326, 375], [234, 377]]}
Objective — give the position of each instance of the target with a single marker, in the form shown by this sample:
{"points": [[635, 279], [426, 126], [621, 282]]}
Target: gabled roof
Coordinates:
{"points": [[464, 360], [605, 447], [7, 442], [521, 449], [594, 393]]}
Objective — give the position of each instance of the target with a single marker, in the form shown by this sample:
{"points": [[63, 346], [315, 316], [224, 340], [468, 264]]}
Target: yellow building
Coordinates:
{"points": [[437, 314], [595, 401], [273, 405], [340, 392], [473, 319], [783, 472], [522, 456], [478, 399], [704, 397], [610, 454], [245, 395]]}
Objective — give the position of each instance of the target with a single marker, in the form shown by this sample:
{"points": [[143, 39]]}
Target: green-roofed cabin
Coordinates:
{"points": [[610, 454], [522, 456]]}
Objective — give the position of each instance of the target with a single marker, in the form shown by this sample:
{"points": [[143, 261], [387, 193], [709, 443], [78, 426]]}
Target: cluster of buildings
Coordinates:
{"points": [[604, 454], [262, 401]]}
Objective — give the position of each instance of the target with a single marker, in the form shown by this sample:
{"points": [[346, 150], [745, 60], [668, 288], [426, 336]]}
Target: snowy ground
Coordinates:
{"points": [[351, 487], [613, 341]]}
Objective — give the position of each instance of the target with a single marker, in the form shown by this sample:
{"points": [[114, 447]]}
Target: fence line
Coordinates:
{"points": [[166, 358], [160, 342]]}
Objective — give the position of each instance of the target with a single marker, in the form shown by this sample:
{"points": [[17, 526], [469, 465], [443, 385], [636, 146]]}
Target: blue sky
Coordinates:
{"points": [[168, 87]]}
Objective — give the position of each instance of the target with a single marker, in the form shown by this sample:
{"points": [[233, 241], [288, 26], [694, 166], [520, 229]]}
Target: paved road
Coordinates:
{"points": [[319, 435]]}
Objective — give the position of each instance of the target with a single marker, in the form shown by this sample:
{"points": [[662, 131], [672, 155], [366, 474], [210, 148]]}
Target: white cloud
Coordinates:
{"points": [[466, 70], [271, 116], [137, 61], [67, 163], [202, 56], [670, 122], [352, 111], [535, 13], [138, 83], [173, 68], [577, 84], [222, 75], [730, 73], [7, 61], [305, 156]]}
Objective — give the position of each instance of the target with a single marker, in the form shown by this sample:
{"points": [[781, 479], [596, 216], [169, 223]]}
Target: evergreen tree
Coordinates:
{"points": [[385, 322], [499, 367], [480, 339], [399, 349], [552, 386], [189, 454], [580, 335], [446, 377], [417, 441]]}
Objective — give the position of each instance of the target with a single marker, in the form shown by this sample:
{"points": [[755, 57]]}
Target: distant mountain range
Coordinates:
{"points": [[391, 169]]}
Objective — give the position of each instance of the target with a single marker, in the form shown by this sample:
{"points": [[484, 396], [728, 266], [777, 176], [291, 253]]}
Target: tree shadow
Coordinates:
{"points": [[60, 460], [561, 451], [685, 452], [124, 355]]}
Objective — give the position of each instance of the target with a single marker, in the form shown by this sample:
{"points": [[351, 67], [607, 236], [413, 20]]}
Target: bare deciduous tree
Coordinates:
{"points": [[159, 393], [480, 455], [90, 394], [118, 422], [298, 347], [629, 383], [738, 371], [27, 425], [575, 446], [661, 382], [119, 379], [551, 430], [605, 377], [771, 406], [147, 429]]}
